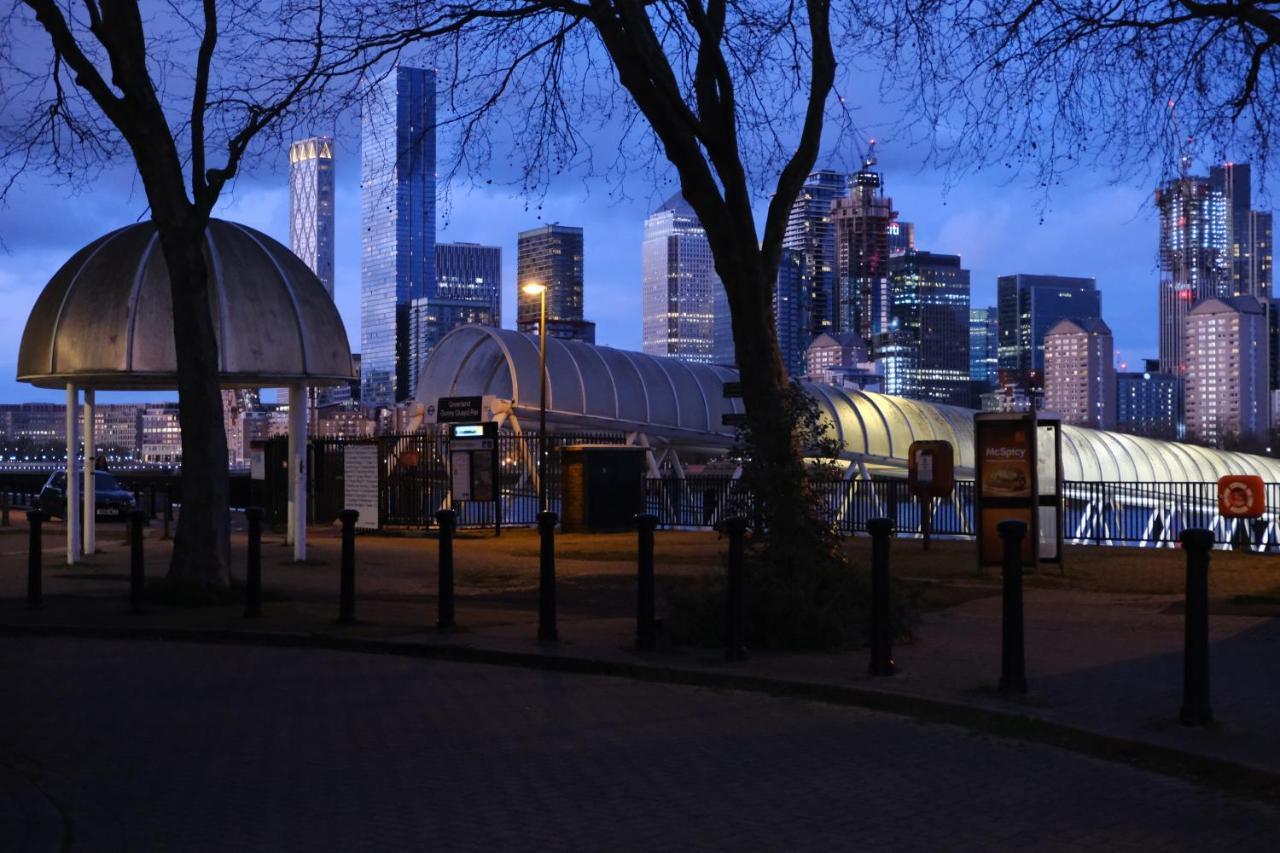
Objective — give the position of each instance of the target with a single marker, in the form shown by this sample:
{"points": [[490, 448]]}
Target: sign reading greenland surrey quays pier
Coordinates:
{"points": [[459, 410]]}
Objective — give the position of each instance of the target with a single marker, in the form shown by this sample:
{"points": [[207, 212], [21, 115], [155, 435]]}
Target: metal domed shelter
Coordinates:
{"points": [[105, 322], [672, 405]]}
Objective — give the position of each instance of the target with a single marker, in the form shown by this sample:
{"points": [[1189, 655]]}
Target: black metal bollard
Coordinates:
{"points": [[1013, 668], [646, 627], [137, 575], [1195, 662], [253, 565], [547, 577], [447, 520], [168, 512], [35, 559], [881, 530], [735, 592], [347, 587], [4, 510], [152, 507]]}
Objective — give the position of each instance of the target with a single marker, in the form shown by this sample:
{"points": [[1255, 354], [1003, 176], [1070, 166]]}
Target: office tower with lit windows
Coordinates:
{"points": [[1148, 402], [1248, 233], [811, 233], [1080, 373], [398, 227], [311, 205], [678, 285], [924, 353], [1028, 306], [467, 292], [551, 255], [791, 312], [984, 339], [1193, 256], [861, 221], [1227, 369]]}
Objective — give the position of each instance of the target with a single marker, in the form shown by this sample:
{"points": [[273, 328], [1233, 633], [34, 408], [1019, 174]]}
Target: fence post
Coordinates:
{"points": [[347, 585], [447, 520], [35, 559], [137, 575], [735, 597], [646, 633], [1196, 711], [152, 512], [253, 567], [881, 530], [1013, 672], [547, 576]]}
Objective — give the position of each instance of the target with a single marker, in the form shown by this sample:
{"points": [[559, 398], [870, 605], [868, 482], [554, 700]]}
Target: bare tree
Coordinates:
{"points": [[1047, 85], [183, 90], [733, 93]]}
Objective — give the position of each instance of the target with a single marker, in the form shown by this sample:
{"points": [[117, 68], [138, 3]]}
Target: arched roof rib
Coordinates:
{"points": [[593, 387]]}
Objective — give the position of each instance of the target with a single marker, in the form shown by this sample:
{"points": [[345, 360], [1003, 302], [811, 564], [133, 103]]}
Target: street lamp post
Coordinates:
{"points": [[540, 290]]}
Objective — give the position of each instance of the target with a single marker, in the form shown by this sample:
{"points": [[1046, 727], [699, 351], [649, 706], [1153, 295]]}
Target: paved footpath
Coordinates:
{"points": [[173, 746]]}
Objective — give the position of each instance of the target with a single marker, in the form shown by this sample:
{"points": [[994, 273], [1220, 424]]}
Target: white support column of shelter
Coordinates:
{"points": [[90, 486], [72, 488], [298, 470]]}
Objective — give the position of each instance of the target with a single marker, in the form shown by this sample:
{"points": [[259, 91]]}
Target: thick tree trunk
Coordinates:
{"points": [[776, 471], [202, 543]]}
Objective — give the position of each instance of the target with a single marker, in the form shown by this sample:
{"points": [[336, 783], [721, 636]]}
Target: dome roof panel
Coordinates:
{"points": [[105, 319]]}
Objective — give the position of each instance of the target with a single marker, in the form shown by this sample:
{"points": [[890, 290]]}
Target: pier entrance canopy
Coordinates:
{"points": [[675, 407]]}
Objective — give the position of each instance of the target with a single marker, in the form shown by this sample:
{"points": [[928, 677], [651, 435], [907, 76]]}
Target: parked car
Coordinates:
{"points": [[109, 497]]}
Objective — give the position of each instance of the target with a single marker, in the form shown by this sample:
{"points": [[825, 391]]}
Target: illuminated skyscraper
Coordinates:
{"points": [[679, 283], [1248, 233], [1028, 306], [1193, 256], [811, 233], [1080, 373], [984, 339], [551, 255], [791, 313], [311, 205], [862, 222], [467, 291], [398, 220], [924, 352], [1226, 370]]}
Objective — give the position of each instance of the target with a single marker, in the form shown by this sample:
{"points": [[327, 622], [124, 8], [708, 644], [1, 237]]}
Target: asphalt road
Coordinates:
{"points": [[158, 747]]}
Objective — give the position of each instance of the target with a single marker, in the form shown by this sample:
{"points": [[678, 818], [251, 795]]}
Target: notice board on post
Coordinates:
{"points": [[360, 483], [1004, 459], [1017, 461]]}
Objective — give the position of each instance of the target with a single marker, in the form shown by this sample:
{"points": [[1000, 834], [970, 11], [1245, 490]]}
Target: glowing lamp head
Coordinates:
{"points": [[534, 288]]}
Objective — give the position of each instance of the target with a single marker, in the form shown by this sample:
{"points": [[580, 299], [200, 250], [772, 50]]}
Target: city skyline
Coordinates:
{"points": [[972, 220]]}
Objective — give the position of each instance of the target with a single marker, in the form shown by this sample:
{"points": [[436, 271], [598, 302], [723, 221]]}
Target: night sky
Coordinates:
{"points": [[1092, 225]]}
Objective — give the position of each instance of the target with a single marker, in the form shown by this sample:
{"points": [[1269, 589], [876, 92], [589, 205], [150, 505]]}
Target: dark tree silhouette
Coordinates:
{"points": [[733, 93], [1046, 85], [183, 91]]}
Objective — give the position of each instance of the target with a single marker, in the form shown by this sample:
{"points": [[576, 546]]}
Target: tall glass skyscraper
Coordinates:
{"points": [[984, 338], [791, 313], [925, 351], [862, 251], [311, 205], [552, 256], [811, 233], [1029, 305], [398, 219], [467, 291], [679, 282], [1194, 259]]}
